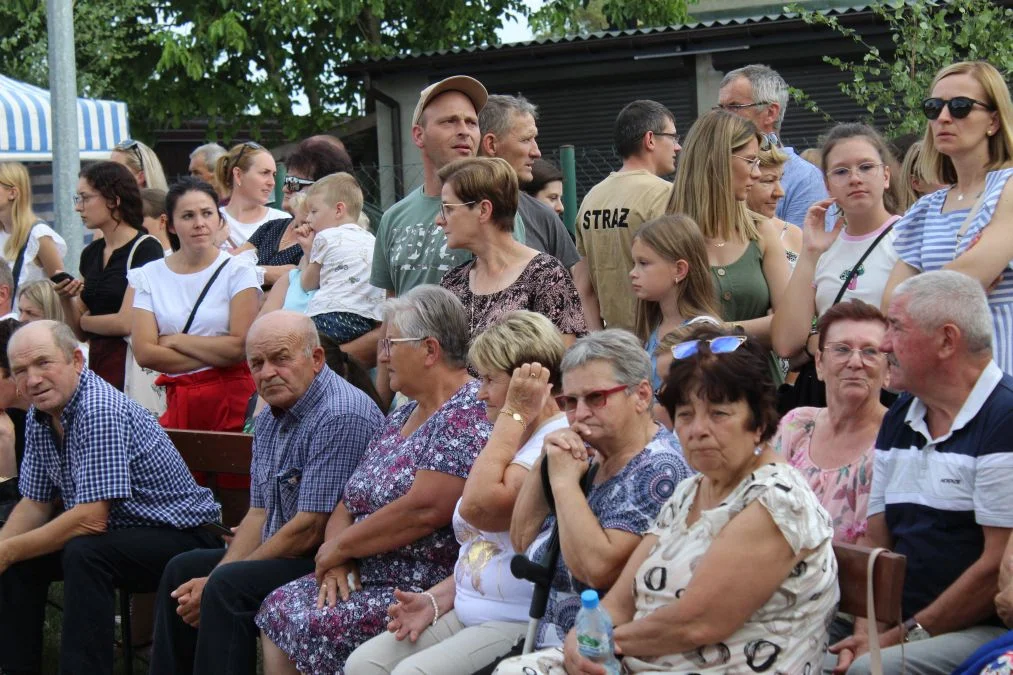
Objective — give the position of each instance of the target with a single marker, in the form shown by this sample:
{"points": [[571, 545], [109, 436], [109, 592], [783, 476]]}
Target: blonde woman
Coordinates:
{"points": [[967, 227], [24, 237], [38, 300], [142, 162], [246, 173], [766, 192], [719, 164]]}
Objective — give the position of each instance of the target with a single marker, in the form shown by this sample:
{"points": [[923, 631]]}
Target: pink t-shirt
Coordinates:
{"points": [[843, 491]]}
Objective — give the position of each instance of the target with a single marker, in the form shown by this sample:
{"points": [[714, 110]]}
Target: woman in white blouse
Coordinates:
{"points": [[192, 312], [247, 174], [24, 235]]}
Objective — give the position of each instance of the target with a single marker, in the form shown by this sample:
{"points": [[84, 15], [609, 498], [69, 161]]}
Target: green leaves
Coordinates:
{"points": [[567, 17], [928, 35]]}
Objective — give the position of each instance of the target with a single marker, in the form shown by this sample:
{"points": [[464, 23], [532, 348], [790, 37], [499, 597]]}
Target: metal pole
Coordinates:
{"points": [[66, 154], [567, 158]]}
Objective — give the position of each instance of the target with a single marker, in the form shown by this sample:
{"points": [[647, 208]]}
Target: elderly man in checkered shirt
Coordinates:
{"points": [[107, 502], [305, 446]]}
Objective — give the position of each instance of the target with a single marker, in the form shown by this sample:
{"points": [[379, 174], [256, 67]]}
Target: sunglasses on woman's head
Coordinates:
{"points": [[960, 106], [719, 345], [132, 146], [248, 145]]}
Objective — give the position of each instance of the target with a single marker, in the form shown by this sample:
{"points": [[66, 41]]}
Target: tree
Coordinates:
{"points": [[570, 17], [927, 35]]}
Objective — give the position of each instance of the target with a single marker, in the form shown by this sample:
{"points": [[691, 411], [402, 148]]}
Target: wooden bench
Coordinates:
{"points": [[213, 453], [887, 579]]}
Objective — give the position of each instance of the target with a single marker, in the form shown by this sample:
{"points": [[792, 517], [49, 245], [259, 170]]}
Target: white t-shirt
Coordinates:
{"points": [[833, 267], [30, 269], [240, 232], [171, 296], [486, 590], [345, 254]]}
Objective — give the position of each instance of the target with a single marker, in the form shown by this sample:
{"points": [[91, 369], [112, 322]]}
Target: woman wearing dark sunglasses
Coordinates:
{"points": [[967, 227], [247, 174]]}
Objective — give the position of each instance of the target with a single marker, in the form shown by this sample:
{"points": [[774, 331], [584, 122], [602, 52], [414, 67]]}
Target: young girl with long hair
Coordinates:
{"points": [[671, 280]]}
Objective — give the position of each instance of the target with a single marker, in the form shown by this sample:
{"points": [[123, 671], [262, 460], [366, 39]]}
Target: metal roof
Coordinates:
{"points": [[714, 20]]}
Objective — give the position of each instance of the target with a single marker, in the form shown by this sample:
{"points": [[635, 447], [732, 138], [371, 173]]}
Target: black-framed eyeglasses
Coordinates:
{"points": [[725, 344], [676, 138], [731, 107], [295, 184], [248, 145], [444, 206], [134, 147], [960, 106]]}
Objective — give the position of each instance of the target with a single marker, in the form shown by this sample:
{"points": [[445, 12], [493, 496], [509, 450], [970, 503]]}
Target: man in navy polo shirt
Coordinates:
{"points": [[106, 502], [941, 484]]}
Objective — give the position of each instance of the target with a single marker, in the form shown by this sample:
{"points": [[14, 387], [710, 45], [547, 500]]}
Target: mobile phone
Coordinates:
{"points": [[60, 277], [217, 529]]}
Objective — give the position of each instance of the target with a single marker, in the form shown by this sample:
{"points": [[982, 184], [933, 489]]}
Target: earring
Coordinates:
{"points": [[758, 451]]}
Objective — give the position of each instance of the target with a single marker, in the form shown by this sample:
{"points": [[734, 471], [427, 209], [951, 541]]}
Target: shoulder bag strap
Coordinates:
{"points": [[133, 250], [854, 268], [20, 262], [204, 292]]}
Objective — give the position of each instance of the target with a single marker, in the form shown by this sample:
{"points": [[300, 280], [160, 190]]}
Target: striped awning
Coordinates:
{"points": [[26, 129]]}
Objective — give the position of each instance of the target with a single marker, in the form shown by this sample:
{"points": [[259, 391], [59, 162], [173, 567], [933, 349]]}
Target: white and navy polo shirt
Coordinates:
{"points": [[937, 493]]}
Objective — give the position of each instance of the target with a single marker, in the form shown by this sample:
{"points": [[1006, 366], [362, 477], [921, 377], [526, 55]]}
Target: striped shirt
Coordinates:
{"points": [[927, 240]]}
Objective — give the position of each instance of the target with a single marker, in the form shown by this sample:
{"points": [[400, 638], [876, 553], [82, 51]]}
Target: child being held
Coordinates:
{"points": [[345, 305]]}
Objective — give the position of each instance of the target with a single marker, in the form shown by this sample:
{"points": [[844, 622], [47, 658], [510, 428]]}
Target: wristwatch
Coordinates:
{"points": [[517, 417], [913, 631]]}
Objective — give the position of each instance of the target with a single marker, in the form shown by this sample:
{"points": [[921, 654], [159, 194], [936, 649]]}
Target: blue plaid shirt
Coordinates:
{"points": [[303, 456], [113, 450]]}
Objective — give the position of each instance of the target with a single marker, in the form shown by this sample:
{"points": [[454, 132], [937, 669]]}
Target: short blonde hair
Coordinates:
{"points": [[938, 168], [338, 188], [517, 338], [772, 158]]}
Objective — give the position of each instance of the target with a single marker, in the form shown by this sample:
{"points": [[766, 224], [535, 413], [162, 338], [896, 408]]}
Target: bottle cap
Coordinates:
{"points": [[589, 598]]}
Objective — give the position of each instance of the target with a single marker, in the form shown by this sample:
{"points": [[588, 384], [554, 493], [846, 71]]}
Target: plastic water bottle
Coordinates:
{"points": [[594, 633]]}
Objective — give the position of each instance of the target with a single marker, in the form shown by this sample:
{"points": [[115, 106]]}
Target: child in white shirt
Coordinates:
{"points": [[345, 305]]}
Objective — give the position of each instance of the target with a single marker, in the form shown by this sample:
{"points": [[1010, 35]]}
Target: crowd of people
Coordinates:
{"points": [[760, 359]]}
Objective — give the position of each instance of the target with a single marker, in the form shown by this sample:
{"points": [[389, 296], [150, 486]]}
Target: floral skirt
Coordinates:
{"points": [[319, 640]]}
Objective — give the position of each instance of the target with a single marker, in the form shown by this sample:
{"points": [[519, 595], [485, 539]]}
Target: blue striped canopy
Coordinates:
{"points": [[26, 129]]}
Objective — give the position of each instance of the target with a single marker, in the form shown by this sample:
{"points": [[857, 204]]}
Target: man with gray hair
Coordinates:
{"points": [[306, 444], [759, 94], [509, 129], [941, 478], [106, 502], [203, 160]]}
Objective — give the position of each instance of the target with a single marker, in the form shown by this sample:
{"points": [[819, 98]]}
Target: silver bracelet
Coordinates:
{"points": [[436, 609]]}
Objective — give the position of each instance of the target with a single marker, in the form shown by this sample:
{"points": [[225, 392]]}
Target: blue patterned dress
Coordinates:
{"points": [[319, 640]]}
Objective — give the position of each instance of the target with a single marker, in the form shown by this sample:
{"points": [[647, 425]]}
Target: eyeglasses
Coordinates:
{"points": [[79, 199], [754, 163], [592, 399], [842, 174], [294, 184], [724, 344], [248, 145], [385, 344], [134, 147], [444, 206], [960, 106], [676, 138], [730, 107], [840, 352]]}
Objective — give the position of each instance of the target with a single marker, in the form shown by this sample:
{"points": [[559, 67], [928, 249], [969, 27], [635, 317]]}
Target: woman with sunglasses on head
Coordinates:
{"points": [[717, 167], [967, 227], [142, 162], [26, 241], [856, 165], [192, 311], [275, 241], [636, 465], [246, 173], [99, 307]]}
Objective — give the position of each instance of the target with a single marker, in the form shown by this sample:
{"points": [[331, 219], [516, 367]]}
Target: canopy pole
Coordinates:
{"points": [[63, 97]]}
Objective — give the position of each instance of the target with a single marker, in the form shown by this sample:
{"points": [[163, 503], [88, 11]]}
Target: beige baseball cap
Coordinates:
{"points": [[468, 86]]}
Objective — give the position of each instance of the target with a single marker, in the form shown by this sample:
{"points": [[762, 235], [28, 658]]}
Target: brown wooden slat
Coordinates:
{"points": [[888, 580], [214, 451]]}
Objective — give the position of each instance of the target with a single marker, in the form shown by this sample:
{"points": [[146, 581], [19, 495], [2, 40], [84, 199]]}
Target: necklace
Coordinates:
{"points": [[716, 243]]}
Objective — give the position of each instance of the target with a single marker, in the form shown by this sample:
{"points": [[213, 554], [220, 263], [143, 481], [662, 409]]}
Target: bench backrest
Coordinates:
{"points": [[888, 582], [217, 452]]}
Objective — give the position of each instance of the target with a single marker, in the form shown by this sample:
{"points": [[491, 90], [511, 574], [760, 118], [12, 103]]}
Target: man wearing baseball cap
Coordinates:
{"points": [[410, 249]]}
